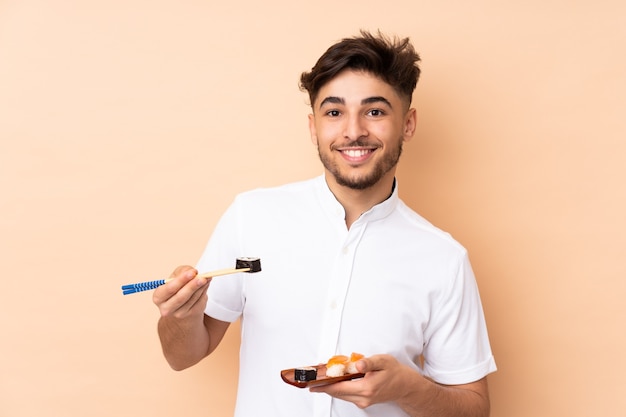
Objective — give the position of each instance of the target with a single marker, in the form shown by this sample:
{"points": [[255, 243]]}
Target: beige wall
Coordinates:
{"points": [[126, 127]]}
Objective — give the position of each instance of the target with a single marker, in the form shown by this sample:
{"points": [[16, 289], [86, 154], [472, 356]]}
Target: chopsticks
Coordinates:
{"points": [[151, 285]]}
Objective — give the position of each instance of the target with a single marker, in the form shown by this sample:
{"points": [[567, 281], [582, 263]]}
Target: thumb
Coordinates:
{"points": [[366, 365], [372, 363]]}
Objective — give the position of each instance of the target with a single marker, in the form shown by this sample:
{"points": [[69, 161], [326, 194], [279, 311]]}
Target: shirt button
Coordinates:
{"points": [[333, 305], [345, 250]]}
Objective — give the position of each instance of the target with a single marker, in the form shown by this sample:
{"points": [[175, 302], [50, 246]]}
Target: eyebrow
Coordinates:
{"points": [[376, 99], [368, 100]]}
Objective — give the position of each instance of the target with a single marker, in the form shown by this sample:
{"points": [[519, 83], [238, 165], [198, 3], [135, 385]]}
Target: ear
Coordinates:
{"points": [[410, 123], [312, 129]]}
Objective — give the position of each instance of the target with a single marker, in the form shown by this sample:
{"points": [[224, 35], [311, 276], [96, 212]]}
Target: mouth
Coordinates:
{"points": [[356, 155]]}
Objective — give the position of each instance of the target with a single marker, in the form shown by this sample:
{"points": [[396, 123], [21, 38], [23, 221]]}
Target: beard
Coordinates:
{"points": [[365, 180]]}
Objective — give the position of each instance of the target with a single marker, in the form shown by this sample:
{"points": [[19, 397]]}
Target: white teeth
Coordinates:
{"points": [[355, 153]]}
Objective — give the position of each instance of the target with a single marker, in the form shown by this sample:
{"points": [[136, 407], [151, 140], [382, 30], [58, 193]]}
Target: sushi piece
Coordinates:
{"points": [[340, 365], [254, 264], [304, 374], [336, 366], [351, 365]]}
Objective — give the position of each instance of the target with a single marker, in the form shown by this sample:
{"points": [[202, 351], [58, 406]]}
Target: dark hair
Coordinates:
{"points": [[392, 60]]}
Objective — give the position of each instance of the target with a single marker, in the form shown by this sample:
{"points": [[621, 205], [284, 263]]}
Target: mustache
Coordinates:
{"points": [[359, 143]]}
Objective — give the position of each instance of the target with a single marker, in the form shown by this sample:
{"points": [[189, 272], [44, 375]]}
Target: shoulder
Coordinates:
{"points": [[415, 224]]}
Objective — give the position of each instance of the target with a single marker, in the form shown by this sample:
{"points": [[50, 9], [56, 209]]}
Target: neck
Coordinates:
{"points": [[357, 202]]}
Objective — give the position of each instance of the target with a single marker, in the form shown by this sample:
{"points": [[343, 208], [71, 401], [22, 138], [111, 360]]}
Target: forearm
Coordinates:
{"points": [[427, 398], [184, 342]]}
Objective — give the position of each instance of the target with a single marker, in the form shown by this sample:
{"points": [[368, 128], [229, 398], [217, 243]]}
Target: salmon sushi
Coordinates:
{"points": [[336, 366], [351, 365], [340, 365]]}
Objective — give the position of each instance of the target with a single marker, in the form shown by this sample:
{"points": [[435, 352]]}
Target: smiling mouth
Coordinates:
{"points": [[356, 156], [356, 153]]}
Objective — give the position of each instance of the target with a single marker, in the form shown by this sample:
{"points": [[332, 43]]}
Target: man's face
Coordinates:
{"points": [[359, 124]]}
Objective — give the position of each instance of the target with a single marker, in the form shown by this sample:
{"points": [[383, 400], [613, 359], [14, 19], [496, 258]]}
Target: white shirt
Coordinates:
{"points": [[392, 283]]}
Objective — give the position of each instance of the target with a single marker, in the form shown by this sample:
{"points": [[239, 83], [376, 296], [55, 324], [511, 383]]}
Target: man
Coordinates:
{"points": [[347, 267]]}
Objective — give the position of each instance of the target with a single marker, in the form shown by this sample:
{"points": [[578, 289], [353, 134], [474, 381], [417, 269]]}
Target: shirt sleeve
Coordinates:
{"points": [[225, 301], [457, 349]]}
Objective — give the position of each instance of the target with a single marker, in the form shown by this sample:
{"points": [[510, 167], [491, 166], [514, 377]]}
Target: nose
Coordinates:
{"points": [[354, 128]]}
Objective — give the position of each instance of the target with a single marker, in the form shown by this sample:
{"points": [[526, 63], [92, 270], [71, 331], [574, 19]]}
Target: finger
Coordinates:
{"points": [[182, 303], [351, 391], [181, 276], [364, 365], [373, 363], [177, 291], [337, 389], [183, 271], [199, 296], [190, 291]]}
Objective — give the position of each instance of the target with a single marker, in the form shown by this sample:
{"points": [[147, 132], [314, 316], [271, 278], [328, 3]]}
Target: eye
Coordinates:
{"points": [[333, 113], [375, 112]]}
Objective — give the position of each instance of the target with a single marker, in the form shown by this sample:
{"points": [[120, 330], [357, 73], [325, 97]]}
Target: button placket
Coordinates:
{"points": [[339, 284]]}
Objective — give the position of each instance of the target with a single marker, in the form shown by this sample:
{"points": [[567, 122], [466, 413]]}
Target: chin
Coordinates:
{"points": [[358, 183]]}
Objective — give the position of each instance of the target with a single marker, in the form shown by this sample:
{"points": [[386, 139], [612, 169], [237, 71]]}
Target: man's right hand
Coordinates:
{"points": [[183, 326], [184, 296]]}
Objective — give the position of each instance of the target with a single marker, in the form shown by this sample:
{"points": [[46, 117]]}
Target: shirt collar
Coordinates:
{"points": [[335, 209]]}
